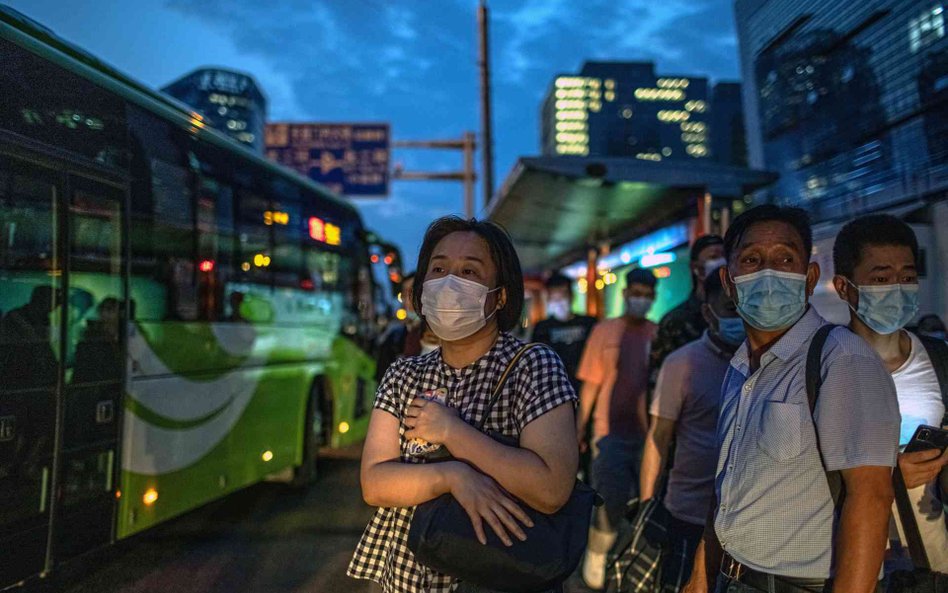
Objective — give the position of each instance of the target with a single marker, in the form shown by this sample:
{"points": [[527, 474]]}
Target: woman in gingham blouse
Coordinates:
{"points": [[536, 407]]}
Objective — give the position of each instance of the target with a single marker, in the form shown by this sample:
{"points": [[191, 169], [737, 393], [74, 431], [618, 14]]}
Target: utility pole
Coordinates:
{"points": [[467, 144], [487, 134]]}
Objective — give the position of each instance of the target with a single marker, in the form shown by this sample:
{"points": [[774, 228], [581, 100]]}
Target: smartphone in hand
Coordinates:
{"points": [[928, 437]]}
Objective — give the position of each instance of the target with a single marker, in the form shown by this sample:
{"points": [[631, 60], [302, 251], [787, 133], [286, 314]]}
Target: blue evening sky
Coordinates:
{"points": [[408, 62]]}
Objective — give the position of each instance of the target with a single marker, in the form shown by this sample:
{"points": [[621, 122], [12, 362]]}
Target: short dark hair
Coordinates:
{"points": [[874, 229], [712, 286], [703, 242], [795, 217], [641, 276], [502, 253], [558, 280]]}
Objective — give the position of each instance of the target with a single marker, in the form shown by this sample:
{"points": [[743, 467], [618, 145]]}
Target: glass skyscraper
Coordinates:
{"points": [[231, 101], [846, 100]]}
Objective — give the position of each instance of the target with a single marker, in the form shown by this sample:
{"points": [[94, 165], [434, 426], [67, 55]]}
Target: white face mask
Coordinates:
{"points": [[637, 306], [454, 307], [558, 309]]}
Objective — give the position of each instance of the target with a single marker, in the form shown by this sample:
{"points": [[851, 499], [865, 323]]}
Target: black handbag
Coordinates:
{"points": [[442, 537]]}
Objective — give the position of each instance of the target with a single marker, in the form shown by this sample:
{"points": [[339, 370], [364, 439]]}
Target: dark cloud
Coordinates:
{"points": [[413, 63]]}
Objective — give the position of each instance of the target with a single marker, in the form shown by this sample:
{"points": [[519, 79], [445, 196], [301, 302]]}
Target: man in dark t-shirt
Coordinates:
{"points": [[563, 331]]}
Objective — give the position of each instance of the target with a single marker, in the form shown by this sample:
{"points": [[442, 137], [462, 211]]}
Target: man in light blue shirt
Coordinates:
{"points": [[775, 527]]}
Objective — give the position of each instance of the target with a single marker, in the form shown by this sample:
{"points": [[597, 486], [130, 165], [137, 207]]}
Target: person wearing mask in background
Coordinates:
{"points": [[875, 261], [419, 340], [566, 334], [775, 526], [614, 372], [563, 331], [684, 408], [931, 326], [685, 323]]}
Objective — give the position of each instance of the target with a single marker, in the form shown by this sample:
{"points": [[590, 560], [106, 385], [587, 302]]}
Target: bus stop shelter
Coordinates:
{"points": [[556, 208], [560, 210]]}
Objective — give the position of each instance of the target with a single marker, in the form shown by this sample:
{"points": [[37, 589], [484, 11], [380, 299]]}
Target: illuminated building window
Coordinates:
{"points": [[927, 28], [570, 104], [697, 150], [570, 126], [571, 115], [672, 83], [666, 151], [673, 115], [697, 106], [610, 96], [693, 138], [649, 156], [572, 138], [595, 106], [610, 84], [647, 94], [576, 149], [693, 126], [626, 113]]}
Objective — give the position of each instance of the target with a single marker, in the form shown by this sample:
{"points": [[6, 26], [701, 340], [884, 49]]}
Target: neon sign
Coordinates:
{"points": [[324, 232]]}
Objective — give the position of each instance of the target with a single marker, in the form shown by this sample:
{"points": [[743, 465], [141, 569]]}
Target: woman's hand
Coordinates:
{"points": [[921, 467], [484, 501], [430, 420]]}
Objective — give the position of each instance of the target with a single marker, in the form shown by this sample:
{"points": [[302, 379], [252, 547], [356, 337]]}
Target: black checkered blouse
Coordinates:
{"points": [[538, 384]]}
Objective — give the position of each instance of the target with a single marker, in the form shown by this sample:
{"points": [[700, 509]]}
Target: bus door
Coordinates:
{"points": [[93, 326], [31, 292]]}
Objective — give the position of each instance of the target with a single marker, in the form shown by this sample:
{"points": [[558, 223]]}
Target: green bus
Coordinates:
{"points": [[179, 317]]}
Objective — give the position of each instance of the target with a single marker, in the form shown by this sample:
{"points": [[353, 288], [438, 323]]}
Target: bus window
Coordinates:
{"points": [[215, 245], [254, 256], [44, 102], [162, 223], [287, 223]]}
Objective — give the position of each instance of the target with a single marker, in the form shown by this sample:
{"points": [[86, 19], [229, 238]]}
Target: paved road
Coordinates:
{"points": [[266, 539]]}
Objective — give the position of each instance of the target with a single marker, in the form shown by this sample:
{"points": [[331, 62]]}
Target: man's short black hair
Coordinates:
{"points": [[712, 286], [795, 217], [502, 253], [703, 242], [871, 230], [558, 280], [641, 276]]}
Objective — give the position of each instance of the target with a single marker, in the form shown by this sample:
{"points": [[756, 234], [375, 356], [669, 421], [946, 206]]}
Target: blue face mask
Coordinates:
{"points": [[769, 300], [886, 308], [730, 329]]}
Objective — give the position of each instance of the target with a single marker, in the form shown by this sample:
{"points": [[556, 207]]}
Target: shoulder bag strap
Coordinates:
{"points": [[495, 395], [814, 380], [938, 353], [909, 523]]}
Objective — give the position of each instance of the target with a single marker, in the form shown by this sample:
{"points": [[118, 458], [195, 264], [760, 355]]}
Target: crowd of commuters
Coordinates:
{"points": [[766, 444]]}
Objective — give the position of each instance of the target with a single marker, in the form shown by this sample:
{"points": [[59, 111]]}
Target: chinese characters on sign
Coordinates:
{"points": [[350, 159]]}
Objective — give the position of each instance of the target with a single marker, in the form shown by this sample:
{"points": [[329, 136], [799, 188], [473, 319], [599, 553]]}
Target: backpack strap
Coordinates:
{"points": [[814, 380], [938, 353], [913, 536], [503, 381]]}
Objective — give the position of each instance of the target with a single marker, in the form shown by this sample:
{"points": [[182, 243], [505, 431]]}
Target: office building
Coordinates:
{"points": [[848, 102], [728, 140], [230, 101], [625, 109]]}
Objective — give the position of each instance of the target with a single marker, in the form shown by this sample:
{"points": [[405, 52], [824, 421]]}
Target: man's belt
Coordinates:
{"points": [[733, 570]]}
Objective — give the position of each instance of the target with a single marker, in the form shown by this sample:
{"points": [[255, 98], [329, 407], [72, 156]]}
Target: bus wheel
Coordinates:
{"points": [[314, 436]]}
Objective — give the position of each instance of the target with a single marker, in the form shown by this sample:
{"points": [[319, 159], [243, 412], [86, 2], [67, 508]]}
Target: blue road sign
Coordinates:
{"points": [[350, 159]]}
